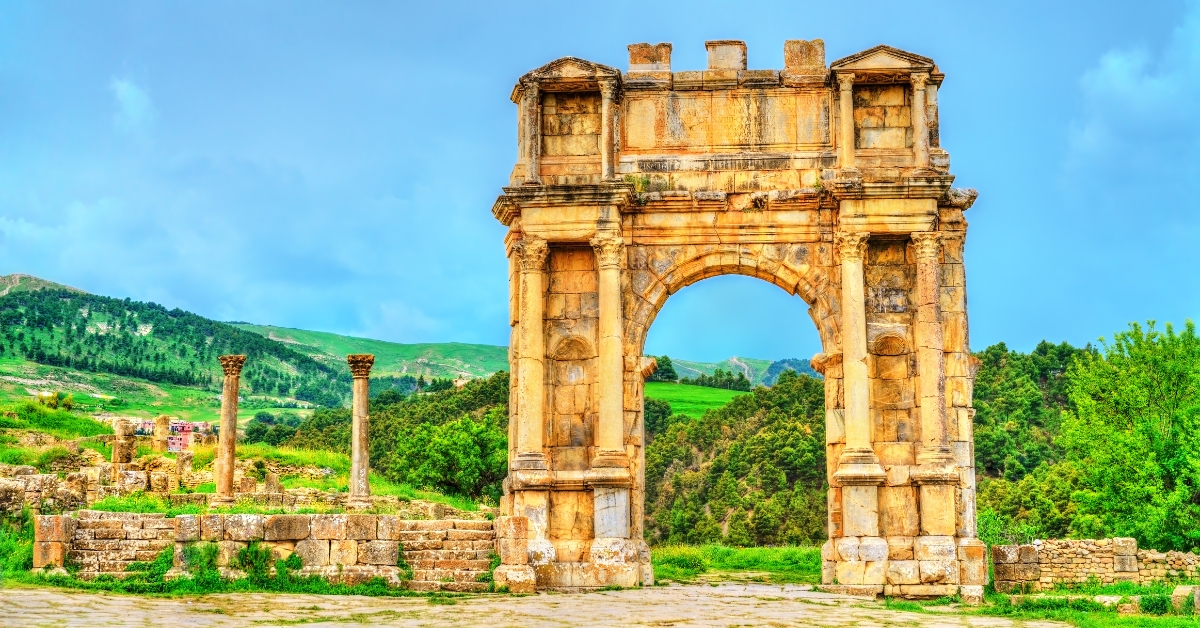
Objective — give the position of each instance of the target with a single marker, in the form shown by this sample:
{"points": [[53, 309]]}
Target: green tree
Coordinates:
{"points": [[665, 371]]}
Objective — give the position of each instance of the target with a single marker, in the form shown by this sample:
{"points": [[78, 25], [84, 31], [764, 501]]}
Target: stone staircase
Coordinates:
{"points": [[449, 554]]}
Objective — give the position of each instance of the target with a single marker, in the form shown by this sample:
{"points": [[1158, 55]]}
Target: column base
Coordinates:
{"points": [[358, 502], [859, 466], [610, 458], [220, 500], [935, 466], [532, 460]]}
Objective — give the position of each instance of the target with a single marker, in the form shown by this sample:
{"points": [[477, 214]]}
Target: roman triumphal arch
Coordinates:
{"points": [[828, 181]]}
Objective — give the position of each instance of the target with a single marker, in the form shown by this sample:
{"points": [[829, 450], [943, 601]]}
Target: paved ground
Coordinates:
{"points": [[694, 605]]}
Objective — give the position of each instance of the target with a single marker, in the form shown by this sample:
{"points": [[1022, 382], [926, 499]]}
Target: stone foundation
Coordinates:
{"points": [[444, 555], [1045, 564]]}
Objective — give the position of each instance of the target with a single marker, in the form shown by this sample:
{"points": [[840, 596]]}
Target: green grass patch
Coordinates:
{"points": [[690, 400], [59, 423], [683, 563]]}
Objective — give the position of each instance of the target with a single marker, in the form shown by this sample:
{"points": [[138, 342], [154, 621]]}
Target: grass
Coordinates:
{"points": [[684, 563], [58, 423], [690, 400]]}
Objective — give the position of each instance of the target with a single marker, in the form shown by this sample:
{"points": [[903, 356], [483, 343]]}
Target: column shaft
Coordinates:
{"points": [[858, 463], [533, 137], [931, 361], [610, 441], [532, 387], [226, 448], [360, 460], [608, 93], [920, 123], [846, 123]]}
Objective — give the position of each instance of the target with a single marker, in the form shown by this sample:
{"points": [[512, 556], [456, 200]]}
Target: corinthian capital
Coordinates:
{"points": [[927, 244], [845, 81], [919, 79], [360, 364], [232, 364], [851, 246], [610, 250], [608, 89], [532, 253]]}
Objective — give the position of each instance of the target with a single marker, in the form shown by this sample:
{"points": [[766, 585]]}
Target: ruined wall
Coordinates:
{"points": [[1044, 564], [448, 555]]}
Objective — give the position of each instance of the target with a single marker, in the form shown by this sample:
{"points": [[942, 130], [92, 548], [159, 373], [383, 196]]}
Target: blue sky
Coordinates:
{"points": [[331, 165]]}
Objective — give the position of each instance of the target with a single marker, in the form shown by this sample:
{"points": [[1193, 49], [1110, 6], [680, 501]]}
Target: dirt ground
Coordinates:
{"points": [[692, 605]]}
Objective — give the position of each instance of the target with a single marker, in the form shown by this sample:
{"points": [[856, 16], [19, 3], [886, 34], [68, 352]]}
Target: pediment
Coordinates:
{"points": [[571, 69], [883, 58]]}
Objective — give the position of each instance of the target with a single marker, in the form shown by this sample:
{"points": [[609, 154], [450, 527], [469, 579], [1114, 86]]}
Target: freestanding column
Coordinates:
{"points": [[608, 95], [531, 392], [610, 442], [920, 123], [531, 106], [858, 463], [360, 462], [232, 365], [846, 126]]}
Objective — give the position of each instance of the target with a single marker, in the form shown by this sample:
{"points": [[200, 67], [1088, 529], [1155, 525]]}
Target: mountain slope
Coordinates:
{"points": [[447, 359], [757, 371], [18, 282]]}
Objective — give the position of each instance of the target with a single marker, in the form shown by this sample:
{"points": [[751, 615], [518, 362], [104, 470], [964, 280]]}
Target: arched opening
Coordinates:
{"points": [[742, 472]]}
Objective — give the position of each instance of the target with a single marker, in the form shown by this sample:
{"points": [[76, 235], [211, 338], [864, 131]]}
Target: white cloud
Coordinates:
{"points": [[135, 111]]}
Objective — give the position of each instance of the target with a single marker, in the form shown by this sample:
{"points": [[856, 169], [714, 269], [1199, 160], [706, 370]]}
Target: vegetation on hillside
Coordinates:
{"points": [[665, 371], [147, 341], [720, 379]]}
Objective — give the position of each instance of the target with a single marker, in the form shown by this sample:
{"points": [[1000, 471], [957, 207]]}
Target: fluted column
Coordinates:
{"points": [[610, 442], [846, 123], [232, 366], [531, 109], [360, 461], [532, 379], [920, 123], [858, 463], [608, 95], [934, 456]]}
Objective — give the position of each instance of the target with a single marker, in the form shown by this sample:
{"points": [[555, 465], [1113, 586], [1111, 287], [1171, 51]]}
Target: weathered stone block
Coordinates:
{"points": [[850, 571], [513, 551], [1004, 554], [972, 571], [900, 547], [611, 512], [875, 572], [937, 510], [57, 528], [935, 548], [903, 572], [860, 511], [280, 550], [516, 578], [343, 552], [847, 548], [227, 552], [872, 549], [388, 528], [48, 553], [212, 527], [285, 527], [328, 527], [378, 552], [1125, 563], [243, 527], [1124, 547], [1027, 554], [464, 524], [939, 571], [360, 527], [899, 515], [313, 552], [1017, 572]]}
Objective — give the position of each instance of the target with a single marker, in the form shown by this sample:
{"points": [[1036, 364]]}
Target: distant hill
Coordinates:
{"points": [[18, 282], [447, 359], [757, 371]]}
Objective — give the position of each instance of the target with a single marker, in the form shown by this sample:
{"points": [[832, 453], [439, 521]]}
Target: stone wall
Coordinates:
{"points": [[446, 555], [1044, 564]]}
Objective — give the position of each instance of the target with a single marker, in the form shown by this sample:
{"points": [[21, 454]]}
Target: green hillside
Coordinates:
{"points": [[448, 359], [757, 371], [690, 400], [17, 282]]}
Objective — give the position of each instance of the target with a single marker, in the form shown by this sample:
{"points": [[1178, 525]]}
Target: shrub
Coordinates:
{"points": [[1155, 604]]}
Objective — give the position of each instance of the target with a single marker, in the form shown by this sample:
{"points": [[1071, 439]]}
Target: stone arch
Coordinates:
{"points": [[657, 272]]}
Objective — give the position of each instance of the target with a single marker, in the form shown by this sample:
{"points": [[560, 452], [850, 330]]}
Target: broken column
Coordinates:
{"points": [[124, 446], [360, 464], [232, 366], [162, 430]]}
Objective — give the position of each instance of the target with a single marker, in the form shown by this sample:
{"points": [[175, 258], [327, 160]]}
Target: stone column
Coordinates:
{"points": [[232, 365], [162, 430], [360, 462], [531, 109], [532, 378], [858, 464], [920, 122], [846, 123], [608, 95], [610, 441], [935, 471]]}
